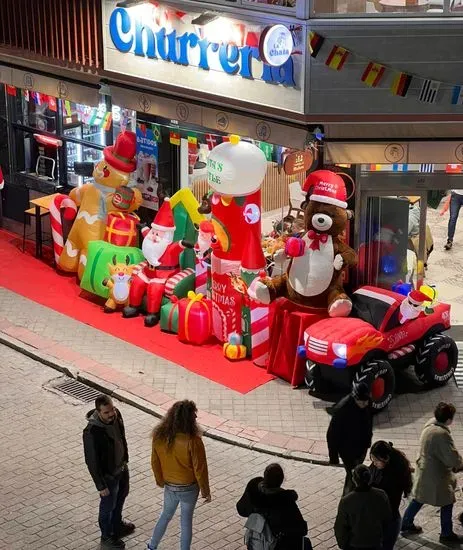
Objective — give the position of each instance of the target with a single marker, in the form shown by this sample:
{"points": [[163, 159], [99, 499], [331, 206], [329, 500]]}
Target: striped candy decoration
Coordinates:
{"points": [[402, 352], [70, 211], [260, 334], [203, 272], [172, 282]]}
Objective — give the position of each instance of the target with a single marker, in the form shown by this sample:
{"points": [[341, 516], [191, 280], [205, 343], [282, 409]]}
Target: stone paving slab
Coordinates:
{"points": [[273, 417], [49, 501]]}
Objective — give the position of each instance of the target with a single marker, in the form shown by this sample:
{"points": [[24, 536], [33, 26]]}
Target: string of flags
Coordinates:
{"points": [[421, 168], [374, 73]]}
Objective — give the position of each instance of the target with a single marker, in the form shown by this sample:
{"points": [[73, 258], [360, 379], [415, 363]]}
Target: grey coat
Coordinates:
{"points": [[435, 482]]}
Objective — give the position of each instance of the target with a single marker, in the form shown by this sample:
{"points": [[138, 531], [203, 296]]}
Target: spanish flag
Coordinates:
{"points": [[315, 43], [373, 74], [174, 138], [337, 58], [401, 84]]}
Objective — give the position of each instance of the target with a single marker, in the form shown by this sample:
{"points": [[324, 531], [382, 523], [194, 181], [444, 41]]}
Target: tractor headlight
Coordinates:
{"points": [[340, 350]]}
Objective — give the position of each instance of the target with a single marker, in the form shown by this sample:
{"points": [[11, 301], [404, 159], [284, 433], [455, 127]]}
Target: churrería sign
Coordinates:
{"points": [[253, 64]]}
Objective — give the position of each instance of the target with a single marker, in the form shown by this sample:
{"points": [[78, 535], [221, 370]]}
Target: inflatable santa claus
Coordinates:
{"points": [[412, 306], [162, 261]]}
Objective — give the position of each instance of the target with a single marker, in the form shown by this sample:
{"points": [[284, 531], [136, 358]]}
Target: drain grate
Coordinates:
{"points": [[76, 389]]}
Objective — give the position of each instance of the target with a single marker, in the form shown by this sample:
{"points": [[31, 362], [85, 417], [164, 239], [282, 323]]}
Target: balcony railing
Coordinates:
{"points": [[66, 31]]}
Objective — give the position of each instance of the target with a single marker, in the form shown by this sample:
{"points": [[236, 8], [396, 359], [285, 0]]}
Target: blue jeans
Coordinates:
{"points": [[110, 516], [446, 525], [456, 202], [187, 496]]}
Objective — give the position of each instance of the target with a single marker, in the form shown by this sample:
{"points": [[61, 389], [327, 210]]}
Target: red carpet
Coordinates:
{"points": [[38, 281]]}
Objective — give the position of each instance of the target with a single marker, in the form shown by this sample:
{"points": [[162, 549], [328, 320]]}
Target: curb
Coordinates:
{"points": [[149, 408]]}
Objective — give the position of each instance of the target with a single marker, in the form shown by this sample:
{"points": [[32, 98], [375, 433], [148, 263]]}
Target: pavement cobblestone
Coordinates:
{"points": [[48, 500]]}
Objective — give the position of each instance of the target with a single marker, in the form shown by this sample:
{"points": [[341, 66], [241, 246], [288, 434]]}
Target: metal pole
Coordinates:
{"points": [[422, 241]]}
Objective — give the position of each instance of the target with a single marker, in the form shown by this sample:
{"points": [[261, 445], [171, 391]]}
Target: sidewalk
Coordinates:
{"points": [[272, 418]]}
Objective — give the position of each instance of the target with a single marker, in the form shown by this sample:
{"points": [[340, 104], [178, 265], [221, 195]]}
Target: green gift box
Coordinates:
{"points": [[169, 316], [100, 254]]}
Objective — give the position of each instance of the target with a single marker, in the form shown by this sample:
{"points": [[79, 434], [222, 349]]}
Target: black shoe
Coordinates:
{"points": [[411, 529], [453, 538], [107, 309], [449, 245], [125, 528], [151, 320], [129, 311], [111, 542]]}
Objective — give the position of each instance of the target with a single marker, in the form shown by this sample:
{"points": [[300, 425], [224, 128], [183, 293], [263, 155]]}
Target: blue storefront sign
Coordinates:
{"points": [[130, 34]]}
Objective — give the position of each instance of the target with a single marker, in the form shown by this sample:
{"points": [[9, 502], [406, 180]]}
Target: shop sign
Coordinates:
{"points": [[299, 161], [130, 33], [276, 45], [146, 174]]}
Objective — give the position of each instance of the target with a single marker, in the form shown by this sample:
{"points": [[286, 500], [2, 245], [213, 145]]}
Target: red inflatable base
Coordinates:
{"points": [[288, 323]]}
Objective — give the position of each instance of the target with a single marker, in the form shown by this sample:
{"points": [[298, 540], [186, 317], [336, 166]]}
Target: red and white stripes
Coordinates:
{"points": [[401, 352], [260, 334], [70, 210], [203, 273]]}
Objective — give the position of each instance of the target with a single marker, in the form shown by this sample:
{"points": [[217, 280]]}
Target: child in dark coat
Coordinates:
{"points": [[265, 496]]}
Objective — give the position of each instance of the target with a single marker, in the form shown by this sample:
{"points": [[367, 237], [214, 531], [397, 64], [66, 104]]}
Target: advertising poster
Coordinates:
{"points": [[147, 174]]}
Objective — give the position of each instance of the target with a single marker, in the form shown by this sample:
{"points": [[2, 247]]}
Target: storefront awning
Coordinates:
{"points": [[403, 152], [215, 119], [6, 75], [62, 89]]}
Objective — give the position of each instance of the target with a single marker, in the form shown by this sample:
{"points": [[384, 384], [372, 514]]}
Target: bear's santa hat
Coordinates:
{"points": [[326, 187]]}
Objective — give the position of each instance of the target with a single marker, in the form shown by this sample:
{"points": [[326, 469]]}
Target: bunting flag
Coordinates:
{"points": [[107, 122], [429, 91], [192, 139], [457, 95], [224, 139], [11, 90], [375, 167], [174, 138], [373, 74], [67, 108], [427, 168], [401, 84], [267, 149], [337, 58], [211, 141], [453, 168], [400, 167], [26, 95], [37, 98], [315, 43], [157, 133], [52, 103]]}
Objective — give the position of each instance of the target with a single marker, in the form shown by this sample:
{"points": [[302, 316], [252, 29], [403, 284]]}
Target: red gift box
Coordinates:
{"points": [[121, 229], [194, 319]]}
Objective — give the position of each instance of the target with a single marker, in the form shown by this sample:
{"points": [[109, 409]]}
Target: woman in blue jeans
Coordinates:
{"points": [[456, 202], [391, 471], [179, 465]]}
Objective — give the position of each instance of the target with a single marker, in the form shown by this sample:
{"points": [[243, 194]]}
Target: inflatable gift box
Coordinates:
{"points": [[121, 229], [194, 319], [169, 316], [100, 254]]}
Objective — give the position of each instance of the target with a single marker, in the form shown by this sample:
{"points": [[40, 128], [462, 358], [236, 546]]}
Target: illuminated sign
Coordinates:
{"points": [[276, 45], [130, 33]]}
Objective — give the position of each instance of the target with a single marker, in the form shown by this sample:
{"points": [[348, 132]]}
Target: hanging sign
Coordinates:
{"points": [[300, 161], [276, 45]]}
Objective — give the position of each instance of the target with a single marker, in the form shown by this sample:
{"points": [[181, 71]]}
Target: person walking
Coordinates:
{"points": [[391, 471], [265, 496], [435, 482], [456, 202], [363, 514], [106, 456], [179, 465], [350, 431]]}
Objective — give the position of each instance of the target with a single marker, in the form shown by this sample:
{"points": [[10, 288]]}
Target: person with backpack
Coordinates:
{"points": [[363, 514], [275, 521], [391, 471]]}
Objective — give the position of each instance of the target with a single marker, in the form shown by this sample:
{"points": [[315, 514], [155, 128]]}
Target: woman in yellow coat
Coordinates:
{"points": [[179, 465], [95, 201]]}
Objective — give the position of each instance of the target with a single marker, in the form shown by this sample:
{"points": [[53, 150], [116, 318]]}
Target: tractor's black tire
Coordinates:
{"points": [[428, 357], [369, 372]]}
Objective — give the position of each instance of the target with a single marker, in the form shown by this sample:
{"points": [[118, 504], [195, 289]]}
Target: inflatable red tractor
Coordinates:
{"points": [[370, 344]]}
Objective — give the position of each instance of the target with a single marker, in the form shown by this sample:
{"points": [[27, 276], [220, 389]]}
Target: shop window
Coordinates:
{"points": [[37, 155], [384, 8], [86, 123], [35, 110], [283, 3]]}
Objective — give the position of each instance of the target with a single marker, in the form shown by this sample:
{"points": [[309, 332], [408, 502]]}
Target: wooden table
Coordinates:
{"points": [[404, 6], [41, 202]]}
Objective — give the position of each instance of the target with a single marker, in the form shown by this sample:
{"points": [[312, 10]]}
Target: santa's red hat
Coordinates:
{"points": [[326, 187], [417, 297], [164, 220], [121, 155]]}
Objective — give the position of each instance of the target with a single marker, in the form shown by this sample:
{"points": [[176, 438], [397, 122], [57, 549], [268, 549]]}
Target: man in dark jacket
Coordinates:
{"points": [[363, 514], [265, 496], [106, 456], [350, 431]]}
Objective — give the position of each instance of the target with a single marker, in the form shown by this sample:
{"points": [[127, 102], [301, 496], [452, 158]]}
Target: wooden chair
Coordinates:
{"points": [[28, 215], [296, 198]]}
